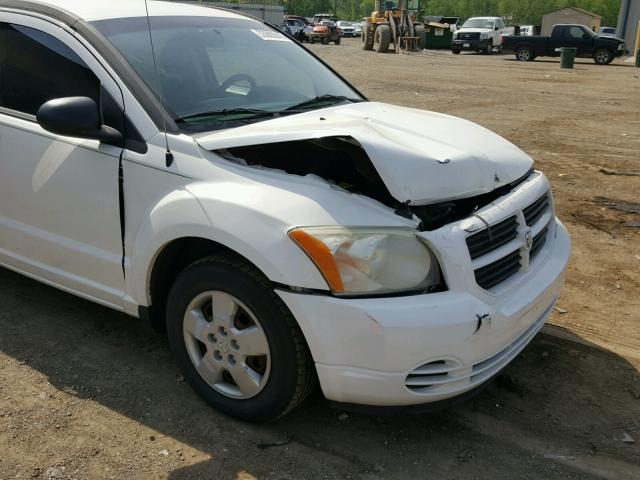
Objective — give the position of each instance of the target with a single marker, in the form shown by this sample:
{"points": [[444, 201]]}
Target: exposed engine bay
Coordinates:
{"points": [[342, 161]]}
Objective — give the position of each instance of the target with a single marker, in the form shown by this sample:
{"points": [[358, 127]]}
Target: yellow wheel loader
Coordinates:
{"points": [[393, 21]]}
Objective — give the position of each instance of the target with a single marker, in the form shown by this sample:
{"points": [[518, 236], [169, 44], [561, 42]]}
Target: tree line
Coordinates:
{"points": [[517, 12]]}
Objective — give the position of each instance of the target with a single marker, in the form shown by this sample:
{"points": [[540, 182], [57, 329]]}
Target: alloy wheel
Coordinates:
{"points": [[227, 345]]}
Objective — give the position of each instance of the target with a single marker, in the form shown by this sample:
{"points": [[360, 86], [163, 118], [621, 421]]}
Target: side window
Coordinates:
{"points": [[36, 67], [574, 32]]}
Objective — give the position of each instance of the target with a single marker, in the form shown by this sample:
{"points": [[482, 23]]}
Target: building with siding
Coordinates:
{"points": [[570, 15]]}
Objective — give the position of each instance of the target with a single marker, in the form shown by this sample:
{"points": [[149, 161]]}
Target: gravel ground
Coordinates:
{"points": [[87, 393]]}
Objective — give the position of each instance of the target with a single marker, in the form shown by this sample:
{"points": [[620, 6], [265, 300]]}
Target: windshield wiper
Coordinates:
{"points": [[246, 113], [321, 100]]}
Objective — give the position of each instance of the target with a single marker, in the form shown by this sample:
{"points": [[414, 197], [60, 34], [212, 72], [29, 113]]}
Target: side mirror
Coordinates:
{"points": [[586, 36], [497, 28], [76, 117]]}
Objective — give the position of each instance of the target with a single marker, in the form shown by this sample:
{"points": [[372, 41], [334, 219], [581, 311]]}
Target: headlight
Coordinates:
{"points": [[484, 36], [368, 260]]}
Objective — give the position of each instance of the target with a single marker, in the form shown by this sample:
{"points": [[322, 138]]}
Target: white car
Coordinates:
{"points": [[478, 34], [348, 29], [280, 228]]}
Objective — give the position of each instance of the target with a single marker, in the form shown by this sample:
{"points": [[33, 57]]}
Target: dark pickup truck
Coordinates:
{"points": [[601, 48]]}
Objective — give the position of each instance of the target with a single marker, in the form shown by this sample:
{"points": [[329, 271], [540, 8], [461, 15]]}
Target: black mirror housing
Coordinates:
{"points": [[76, 117]]}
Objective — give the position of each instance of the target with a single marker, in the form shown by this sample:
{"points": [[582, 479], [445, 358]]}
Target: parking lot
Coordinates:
{"points": [[87, 393]]}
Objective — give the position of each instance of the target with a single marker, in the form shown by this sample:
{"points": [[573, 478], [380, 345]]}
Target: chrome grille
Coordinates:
{"points": [[468, 36], [487, 240], [498, 271]]}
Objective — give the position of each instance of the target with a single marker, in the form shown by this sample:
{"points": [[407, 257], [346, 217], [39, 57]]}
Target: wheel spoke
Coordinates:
{"points": [[196, 324], [252, 341], [224, 309], [247, 381], [209, 370]]}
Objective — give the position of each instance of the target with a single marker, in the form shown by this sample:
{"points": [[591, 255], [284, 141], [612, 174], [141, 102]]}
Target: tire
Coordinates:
{"points": [[269, 384], [312, 39], [326, 40], [489, 49], [337, 41], [367, 37], [603, 56], [382, 38], [455, 52], [421, 33], [524, 54]]}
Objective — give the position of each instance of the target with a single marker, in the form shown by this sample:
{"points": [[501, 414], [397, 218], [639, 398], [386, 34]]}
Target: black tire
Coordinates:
{"points": [[326, 40], [291, 375], [382, 38], [312, 39], [455, 52], [489, 49], [337, 40], [603, 56], [421, 33], [367, 37], [524, 54]]}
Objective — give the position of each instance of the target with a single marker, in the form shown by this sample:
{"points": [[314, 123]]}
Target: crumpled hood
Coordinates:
{"points": [[422, 157]]}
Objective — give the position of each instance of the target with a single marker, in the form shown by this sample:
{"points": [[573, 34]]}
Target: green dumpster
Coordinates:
{"points": [[437, 36], [437, 31], [567, 56]]}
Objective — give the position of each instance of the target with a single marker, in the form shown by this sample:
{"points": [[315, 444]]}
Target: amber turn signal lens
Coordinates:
{"points": [[320, 254]]}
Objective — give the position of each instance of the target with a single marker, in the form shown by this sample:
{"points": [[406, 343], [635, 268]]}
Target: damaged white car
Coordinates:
{"points": [[200, 170]]}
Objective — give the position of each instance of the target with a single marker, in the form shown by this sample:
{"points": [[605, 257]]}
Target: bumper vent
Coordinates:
{"points": [[487, 240], [444, 376]]}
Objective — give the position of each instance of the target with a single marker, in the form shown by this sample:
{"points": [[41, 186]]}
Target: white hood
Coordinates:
{"points": [[423, 157]]}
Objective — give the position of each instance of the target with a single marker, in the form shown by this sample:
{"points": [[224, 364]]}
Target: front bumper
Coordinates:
{"points": [[473, 45], [426, 348]]}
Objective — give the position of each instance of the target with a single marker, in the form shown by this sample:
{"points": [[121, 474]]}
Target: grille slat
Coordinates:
{"points": [[482, 242], [533, 212], [498, 271], [538, 242]]}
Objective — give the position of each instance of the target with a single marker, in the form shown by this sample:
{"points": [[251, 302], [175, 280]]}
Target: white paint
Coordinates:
{"points": [[59, 223]]}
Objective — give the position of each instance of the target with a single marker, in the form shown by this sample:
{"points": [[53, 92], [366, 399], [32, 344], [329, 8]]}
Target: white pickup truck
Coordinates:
{"points": [[478, 34], [247, 201]]}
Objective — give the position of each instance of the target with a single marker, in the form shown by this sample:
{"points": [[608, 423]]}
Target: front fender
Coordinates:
{"points": [[261, 240]]}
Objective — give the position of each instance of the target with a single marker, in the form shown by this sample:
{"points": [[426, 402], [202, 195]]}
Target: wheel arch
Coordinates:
{"points": [[178, 232]]}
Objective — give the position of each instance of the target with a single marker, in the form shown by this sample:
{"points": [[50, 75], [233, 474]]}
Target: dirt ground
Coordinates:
{"points": [[87, 393]]}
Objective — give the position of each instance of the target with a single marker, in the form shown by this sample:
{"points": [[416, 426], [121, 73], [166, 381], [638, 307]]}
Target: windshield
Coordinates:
{"points": [[478, 23], [216, 72]]}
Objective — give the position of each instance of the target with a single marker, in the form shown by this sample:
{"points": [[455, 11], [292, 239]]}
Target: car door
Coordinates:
{"points": [[574, 36], [59, 196], [497, 32]]}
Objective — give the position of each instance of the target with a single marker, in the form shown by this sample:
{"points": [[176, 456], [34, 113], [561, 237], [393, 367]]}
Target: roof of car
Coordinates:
{"points": [[106, 9]]}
